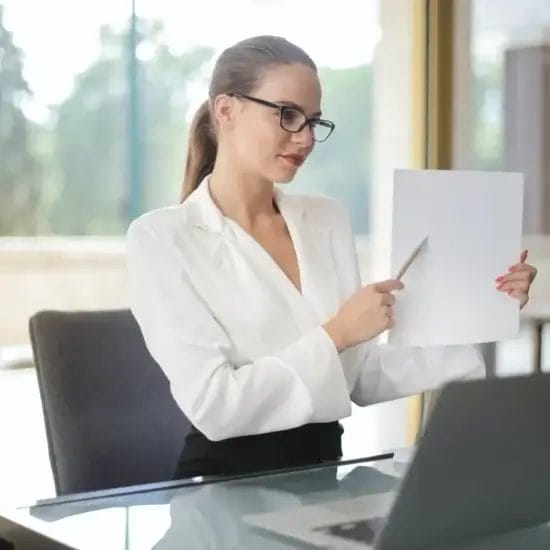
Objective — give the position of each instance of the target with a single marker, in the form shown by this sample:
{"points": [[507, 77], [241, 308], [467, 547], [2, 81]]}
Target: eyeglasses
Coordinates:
{"points": [[294, 120]]}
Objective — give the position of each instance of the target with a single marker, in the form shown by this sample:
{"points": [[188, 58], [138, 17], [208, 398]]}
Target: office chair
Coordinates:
{"points": [[110, 418]]}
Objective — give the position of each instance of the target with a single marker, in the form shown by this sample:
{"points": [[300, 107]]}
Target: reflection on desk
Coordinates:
{"points": [[212, 516], [208, 515]]}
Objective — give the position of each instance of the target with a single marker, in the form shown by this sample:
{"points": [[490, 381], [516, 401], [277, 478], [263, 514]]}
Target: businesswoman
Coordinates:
{"points": [[249, 298]]}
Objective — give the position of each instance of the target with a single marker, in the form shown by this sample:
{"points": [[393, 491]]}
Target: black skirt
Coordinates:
{"points": [[306, 445]]}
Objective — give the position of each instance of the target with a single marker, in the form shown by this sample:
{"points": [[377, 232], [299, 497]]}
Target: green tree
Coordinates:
{"points": [[91, 135], [341, 166], [91, 132], [19, 166], [167, 81]]}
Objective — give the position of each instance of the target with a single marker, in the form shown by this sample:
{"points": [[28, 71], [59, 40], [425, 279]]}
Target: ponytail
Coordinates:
{"points": [[202, 150]]}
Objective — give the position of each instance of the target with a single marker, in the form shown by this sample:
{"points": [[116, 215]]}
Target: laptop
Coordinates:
{"points": [[482, 468]]}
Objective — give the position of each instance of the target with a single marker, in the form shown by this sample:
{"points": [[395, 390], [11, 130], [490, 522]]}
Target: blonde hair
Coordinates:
{"points": [[237, 70]]}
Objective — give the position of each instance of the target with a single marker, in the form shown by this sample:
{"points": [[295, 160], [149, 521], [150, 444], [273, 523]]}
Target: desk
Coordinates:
{"points": [[208, 514]]}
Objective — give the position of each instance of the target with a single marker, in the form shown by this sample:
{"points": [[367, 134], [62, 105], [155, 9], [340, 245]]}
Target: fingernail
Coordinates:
{"points": [[510, 291], [498, 279]]}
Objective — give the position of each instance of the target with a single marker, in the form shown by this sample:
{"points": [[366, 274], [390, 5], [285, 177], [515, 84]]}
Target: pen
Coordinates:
{"points": [[411, 259]]}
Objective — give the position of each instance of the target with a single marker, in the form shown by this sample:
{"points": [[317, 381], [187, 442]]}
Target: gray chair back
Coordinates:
{"points": [[110, 418]]}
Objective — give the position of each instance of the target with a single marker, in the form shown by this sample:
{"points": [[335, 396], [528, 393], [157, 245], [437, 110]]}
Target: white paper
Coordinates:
{"points": [[474, 224]]}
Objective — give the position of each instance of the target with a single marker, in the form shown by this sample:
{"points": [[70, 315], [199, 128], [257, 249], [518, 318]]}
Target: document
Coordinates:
{"points": [[472, 223]]}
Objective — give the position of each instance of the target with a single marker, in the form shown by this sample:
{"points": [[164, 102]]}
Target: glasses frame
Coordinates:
{"points": [[283, 108]]}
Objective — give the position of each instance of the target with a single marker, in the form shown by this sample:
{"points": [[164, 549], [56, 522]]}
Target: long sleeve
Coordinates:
{"points": [[301, 383], [382, 372], [389, 372]]}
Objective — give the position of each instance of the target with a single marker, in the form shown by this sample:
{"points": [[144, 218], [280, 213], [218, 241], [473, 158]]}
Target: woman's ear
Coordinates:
{"points": [[224, 111]]}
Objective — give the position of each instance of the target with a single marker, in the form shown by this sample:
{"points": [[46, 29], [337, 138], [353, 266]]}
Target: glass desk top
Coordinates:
{"points": [[232, 514]]}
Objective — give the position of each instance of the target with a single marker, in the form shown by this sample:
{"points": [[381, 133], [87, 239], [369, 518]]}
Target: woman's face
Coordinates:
{"points": [[261, 146]]}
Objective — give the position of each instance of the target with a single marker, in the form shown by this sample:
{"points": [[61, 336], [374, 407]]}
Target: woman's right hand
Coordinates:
{"points": [[365, 315]]}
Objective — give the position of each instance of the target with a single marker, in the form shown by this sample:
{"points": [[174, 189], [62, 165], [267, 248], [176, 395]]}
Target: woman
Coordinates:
{"points": [[250, 298]]}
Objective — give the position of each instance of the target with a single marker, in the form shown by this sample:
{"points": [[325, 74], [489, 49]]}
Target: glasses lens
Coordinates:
{"points": [[321, 129], [292, 119]]}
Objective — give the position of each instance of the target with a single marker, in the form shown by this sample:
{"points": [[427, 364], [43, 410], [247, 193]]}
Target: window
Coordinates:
{"points": [[96, 130], [502, 122]]}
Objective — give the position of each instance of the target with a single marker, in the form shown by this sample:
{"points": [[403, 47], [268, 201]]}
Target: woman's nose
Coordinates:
{"points": [[305, 136]]}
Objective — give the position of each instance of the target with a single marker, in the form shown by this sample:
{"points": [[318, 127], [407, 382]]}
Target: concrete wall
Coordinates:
{"points": [[60, 273]]}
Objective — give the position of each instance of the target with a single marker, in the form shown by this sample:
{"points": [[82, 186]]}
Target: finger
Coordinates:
{"points": [[389, 285], [522, 267], [532, 270], [519, 268], [516, 276], [519, 295], [522, 286], [529, 269], [388, 299], [523, 256]]}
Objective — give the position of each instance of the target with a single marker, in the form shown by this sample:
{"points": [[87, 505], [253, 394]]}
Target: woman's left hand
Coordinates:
{"points": [[517, 281]]}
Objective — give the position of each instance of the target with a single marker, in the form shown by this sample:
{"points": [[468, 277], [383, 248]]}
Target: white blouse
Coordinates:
{"points": [[243, 349]]}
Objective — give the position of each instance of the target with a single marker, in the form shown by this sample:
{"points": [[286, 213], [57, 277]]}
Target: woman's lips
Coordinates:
{"points": [[294, 160]]}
